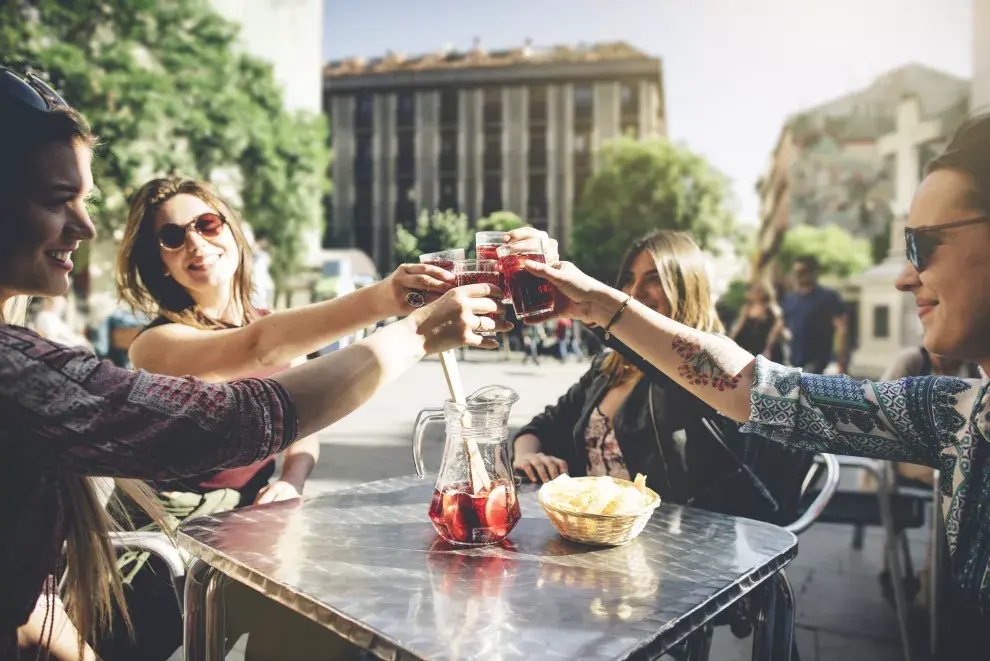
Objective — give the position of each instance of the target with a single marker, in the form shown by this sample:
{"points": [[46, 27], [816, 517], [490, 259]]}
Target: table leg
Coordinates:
{"points": [[203, 638], [699, 644], [773, 630]]}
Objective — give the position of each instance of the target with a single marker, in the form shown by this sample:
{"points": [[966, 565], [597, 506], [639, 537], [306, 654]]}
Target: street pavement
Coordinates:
{"points": [[841, 615]]}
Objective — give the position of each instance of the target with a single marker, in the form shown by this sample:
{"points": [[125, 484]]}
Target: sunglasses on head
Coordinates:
{"points": [[920, 242], [208, 225], [28, 90]]}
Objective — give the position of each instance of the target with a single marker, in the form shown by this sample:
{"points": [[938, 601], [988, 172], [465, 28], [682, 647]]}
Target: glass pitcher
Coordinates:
{"points": [[474, 502]]}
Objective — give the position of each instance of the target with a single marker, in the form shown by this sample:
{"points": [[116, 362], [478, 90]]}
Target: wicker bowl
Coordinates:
{"points": [[598, 529]]}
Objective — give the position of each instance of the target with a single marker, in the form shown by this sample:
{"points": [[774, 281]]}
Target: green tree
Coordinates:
{"points": [[439, 230], [500, 221], [642, 186], [838, 252], [166, 89]]}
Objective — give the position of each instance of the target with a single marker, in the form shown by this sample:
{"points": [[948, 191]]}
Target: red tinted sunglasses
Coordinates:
{"points": [[207, 225]]}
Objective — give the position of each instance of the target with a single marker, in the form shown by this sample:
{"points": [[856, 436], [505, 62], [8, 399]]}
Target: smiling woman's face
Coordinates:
{"points": [[953, 292], [202, 264], [48, 221]]}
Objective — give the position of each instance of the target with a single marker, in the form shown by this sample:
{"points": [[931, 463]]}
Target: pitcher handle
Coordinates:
{"points": [[425, 417]]}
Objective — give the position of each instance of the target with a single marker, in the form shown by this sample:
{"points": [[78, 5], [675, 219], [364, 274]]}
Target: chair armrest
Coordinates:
{"points": [[817, 506], [153, 542]]}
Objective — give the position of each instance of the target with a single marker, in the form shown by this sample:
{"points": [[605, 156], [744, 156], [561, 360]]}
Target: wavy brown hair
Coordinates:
{"points": [[140, 273], [92, 580], [684, 278]]}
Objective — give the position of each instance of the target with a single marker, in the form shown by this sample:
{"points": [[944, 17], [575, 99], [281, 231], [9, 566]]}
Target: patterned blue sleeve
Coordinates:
{"points": [[910, 419]]}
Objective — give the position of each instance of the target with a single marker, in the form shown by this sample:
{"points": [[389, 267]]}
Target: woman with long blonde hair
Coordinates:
{"points": [[66, 417], [613, 421]]}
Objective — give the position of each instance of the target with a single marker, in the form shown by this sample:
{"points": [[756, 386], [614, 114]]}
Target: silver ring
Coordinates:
{"points": [[415, 299]]}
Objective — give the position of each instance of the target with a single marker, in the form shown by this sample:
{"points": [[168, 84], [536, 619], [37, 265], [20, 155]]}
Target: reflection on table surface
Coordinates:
{"points": [[367, 559]]}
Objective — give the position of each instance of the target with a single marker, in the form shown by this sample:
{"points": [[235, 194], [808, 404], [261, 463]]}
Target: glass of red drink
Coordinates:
{"points": [[531, 294], [444, 259], [486, 245], [473, 271]]}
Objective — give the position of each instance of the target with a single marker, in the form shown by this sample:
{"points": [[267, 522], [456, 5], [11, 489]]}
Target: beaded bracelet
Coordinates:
{"points": [[615, 318]]}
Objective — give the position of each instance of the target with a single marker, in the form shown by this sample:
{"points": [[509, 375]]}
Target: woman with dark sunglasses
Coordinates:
{"points": [[65, 417], [939, 421]]}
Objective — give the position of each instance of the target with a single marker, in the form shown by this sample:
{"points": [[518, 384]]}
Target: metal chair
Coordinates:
{"points": [[899, 508], [159, 545], [778, 589]]}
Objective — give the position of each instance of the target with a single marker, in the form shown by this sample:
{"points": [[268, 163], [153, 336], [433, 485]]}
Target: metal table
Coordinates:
{"points": [[366, 563]]}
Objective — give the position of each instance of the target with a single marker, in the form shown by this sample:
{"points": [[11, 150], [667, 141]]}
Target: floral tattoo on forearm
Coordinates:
{"points": [[702, 367]]}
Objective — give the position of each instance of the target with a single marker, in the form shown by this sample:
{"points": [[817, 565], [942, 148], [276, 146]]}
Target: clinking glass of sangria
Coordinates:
{"points": [[474, 502]]}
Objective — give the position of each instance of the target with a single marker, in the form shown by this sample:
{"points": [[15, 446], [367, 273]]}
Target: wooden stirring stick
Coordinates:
{"points": [[479, 476]]}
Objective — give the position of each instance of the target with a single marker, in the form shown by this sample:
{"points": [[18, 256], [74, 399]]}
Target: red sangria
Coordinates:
{"points": [[486, 245], [531, 294], [473, 271], [444, 259], [467, 519]]}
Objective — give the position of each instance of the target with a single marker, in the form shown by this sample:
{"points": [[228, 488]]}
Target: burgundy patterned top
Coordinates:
{"points": [[64, 412]]}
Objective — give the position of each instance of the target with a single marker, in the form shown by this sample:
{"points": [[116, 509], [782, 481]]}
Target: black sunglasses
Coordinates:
{"points": [[920, 242], [28, 90], [208, 225]]}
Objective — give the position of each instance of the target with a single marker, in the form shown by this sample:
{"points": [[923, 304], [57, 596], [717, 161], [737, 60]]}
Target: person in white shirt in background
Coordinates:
{"points": [[263, 296], [50, 323]]}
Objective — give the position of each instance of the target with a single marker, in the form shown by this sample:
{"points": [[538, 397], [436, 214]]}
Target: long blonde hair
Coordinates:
{"points": [[92, 578], [684, 278], [140, 272]]}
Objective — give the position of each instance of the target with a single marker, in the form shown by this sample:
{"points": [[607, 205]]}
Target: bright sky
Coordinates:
{"points": [[733, 69]]}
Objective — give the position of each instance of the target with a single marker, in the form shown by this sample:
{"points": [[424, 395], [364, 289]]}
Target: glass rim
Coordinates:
{"points": [[488, 236], [451, 254], [461, 265], [534, 245]]}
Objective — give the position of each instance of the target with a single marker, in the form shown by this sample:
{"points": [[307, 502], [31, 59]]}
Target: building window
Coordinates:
{"points": [[363, 223], [536, 206], [448, 193], [629, 100], [405, 202], [405, 158], [493, 152], [492, 195], [492, 106], [582, 151], [881, 321], [363, 158], [405, 112], [448, 107], [583, 104], [537, 148], [448, 151], [537, 105], [364, 115]]}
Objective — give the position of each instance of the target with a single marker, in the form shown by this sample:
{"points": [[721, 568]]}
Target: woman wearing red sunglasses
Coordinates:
{"points": [[938, 421], [65, 417]]}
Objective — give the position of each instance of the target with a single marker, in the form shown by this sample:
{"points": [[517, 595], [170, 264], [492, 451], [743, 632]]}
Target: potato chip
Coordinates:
{"points": [[598, 495]]}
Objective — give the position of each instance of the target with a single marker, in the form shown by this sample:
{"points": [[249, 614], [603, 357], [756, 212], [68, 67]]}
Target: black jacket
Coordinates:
{"points": [[689, 453]]}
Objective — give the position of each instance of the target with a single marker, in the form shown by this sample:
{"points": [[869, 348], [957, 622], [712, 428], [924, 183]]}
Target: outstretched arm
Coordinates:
{"points": [[278, 338], [894, 420]]}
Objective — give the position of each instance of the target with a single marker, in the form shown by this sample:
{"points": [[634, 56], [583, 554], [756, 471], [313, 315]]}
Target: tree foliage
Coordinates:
{"points": [[641, 186], [500, 221], [439, 230], [166, 88], [838, 252]]}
